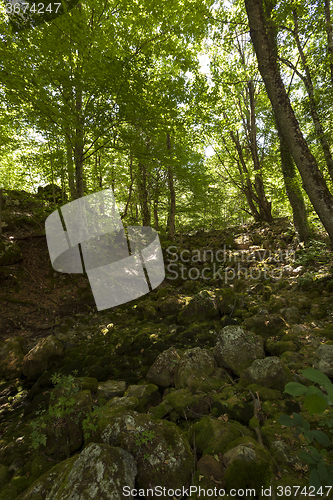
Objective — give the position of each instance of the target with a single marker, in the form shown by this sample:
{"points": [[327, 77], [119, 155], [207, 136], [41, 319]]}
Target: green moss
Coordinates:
{"points": [[253, 474], [213, 436]]}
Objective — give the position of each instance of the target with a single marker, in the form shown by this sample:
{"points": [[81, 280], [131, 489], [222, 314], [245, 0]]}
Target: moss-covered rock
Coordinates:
{"points": [[182, 404], [163, 456], [10, 253], [40, 358], [248, 466], [269, 372], [227, 301], [171, 306], [237, 349], [11, 357], [162, 371], [265, 325], [195, 366], [235, 407], [324, 359], [111, 389], [148, 395], [100, 471], [65, 435], [276, 348], [200, 308], [213, 436]]}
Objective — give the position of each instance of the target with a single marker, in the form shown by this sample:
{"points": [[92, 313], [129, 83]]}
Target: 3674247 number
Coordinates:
{"points": [[34, 8]]}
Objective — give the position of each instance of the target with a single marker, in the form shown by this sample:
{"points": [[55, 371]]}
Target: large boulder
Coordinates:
{"points": [[162, 371], [269, 372], [202, 307], [162, 455], [11, 357], [195, 366], [111, 389], [265, 325], [213, 436], [64, 434], [171, 305], [148, 395], [100, 471], [324, 359], [248, 466], [40, 358], [9, 253], [237, 349]]}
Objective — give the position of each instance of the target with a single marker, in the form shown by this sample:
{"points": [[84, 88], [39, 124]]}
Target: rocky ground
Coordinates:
{"points": [[182, 388]]}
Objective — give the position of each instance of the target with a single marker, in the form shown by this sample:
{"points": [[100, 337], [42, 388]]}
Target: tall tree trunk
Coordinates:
{"points": [[265, 207], [329, 32], [143, 193], [313, 181], [130, 188], [156, 225], [313, 105], [294, 192], [0, 212], [79, 141], [172, 211], [70, 166]]}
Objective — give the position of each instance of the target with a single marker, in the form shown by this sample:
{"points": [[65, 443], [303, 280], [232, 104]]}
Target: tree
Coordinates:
{"points": [[288, 126]]}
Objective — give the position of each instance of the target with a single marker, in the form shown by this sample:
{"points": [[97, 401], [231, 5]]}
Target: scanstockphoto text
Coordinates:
{"points": [[225, 264]]}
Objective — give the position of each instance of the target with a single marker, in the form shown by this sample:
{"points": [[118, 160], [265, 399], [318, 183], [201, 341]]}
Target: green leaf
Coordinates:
{"points": [[315, 479], [322, 469], [298, 419], [315, 376], [322, 438], [285, 420], [295, 389], [306, 457], [315, 404], [306, 425]]}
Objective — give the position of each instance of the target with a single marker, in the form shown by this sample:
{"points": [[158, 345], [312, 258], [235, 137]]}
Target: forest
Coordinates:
{"points": [[192, 139]]}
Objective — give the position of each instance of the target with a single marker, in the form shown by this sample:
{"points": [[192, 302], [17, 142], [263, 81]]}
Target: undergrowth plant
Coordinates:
{"points": [[62, 404], [316, 402]]}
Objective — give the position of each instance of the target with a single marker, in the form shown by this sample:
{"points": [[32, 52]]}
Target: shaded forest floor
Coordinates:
{"points": [[255, 276]]}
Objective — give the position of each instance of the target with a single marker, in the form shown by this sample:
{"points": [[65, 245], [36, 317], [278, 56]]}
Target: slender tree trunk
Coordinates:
{"points": [[52, 174], [144, 194], [0, 212], [313, 105], [70, 166], [313, 181], [130, 189], [294, 192], [78, 142], [156, 225], [265, 207], [329, 36], [172, 212]]}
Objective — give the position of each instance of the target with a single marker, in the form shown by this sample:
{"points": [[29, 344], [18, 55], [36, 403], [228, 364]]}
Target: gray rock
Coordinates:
{"points": [[41, 357], [237, 349], [162, 371], [324, 359], [162, 454], [290, 314], [9, 253], [202, 307], [240, 452], [100, 472], [11, 357], [270, 372], [195, 365], [111, 388]]}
